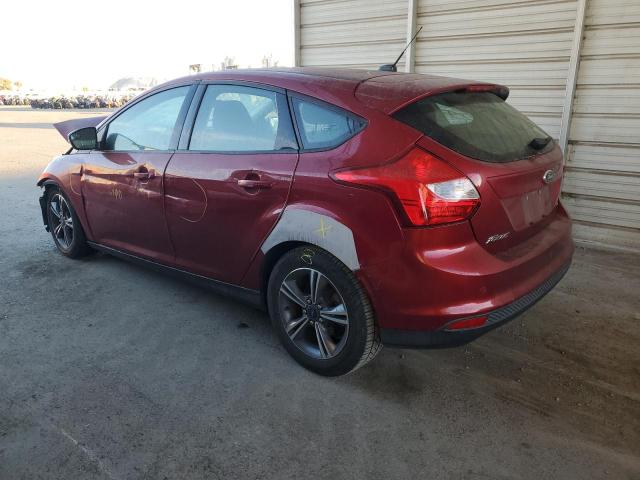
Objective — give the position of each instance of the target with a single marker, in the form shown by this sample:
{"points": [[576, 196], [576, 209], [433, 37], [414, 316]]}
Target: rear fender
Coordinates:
{"points": [[302, 225], [312, 228]]}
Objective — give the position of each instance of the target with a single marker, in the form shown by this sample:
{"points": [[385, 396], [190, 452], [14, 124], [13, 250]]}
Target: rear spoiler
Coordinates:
{"points": [[68, 126], [392, 92], [499, 90]]}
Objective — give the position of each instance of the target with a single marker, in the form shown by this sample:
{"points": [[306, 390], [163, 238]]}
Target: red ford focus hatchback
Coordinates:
{"points": [[360, 208]]}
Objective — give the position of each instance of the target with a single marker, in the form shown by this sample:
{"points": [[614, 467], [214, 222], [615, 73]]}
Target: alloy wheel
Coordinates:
{"points": [[313, 313], [61, 221]]}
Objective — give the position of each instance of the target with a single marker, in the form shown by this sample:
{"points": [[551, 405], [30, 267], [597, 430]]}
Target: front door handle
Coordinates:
{"points": [[250, 183]]}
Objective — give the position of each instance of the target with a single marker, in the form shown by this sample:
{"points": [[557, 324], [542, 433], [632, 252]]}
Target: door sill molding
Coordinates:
{"points": [[246, 295]]}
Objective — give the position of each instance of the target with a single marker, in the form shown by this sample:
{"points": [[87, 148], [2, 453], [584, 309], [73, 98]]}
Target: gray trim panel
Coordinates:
{"points": [[302, 225]]}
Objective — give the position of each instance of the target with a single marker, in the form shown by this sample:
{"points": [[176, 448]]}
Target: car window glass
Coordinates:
{"points": [[324, 127], [147, 125], [479, 125], [234, 118]]}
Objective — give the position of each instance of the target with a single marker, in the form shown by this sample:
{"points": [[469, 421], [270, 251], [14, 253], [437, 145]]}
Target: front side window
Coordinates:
{"points": [[323, 126], [149, 124], [235, 118]]}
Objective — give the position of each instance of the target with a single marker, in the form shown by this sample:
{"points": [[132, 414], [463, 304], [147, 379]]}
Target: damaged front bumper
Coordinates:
{"points": [[43, 210]]}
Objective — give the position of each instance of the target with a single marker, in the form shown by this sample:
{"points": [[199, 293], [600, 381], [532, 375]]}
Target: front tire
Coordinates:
{"points": [[64, 225], [321, 313]]}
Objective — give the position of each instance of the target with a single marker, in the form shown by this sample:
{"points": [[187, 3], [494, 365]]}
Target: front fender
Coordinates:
{"points": [[45, 179], [65, 172], [57, 172]]}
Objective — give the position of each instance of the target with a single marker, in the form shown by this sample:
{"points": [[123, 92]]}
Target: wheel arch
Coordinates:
{"points": [[274, 254], [315, 226], [302, 225], [269, 261], [46, 184], [47, 181]]}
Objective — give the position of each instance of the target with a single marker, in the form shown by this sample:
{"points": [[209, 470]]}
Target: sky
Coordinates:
{"points": [[69, 44]]}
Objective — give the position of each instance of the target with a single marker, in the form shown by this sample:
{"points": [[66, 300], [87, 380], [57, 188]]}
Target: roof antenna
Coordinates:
{"points": [[391, 67]]}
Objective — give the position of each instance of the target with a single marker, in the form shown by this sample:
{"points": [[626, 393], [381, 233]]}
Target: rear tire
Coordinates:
{"points": [[321, 313], [64, 225]]}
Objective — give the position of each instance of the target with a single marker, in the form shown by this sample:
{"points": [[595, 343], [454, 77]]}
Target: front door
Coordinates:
{"points": [[225, 192], [122, 184]]}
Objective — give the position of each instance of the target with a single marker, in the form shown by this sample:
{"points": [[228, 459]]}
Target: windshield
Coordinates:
{"points": [[477, 124]]}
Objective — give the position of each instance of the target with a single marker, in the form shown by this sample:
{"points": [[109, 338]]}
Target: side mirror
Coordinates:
{"points": [[84, 138]]}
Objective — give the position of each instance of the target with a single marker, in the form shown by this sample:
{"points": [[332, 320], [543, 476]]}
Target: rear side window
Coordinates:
{"points": [[477, 124], [235, 118], [324, 126]]}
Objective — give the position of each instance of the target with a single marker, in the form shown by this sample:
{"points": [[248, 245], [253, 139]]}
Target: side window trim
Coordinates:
{"points": [[104, 129], [177, 129], [294, 121], [187, 129], [292, 96]]}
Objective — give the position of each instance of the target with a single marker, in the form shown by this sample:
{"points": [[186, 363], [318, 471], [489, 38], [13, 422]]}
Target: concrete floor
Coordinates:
{"points": [[111, 371]]}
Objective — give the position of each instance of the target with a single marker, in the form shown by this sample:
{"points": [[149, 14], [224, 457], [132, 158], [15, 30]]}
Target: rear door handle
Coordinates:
{"points": [[143, 174], [248, 183]]}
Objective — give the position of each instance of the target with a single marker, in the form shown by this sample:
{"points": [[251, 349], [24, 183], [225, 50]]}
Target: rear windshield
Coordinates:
{"points": [[477, 124]]}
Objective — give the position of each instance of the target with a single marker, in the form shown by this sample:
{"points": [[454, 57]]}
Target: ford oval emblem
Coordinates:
{"points": [[549, 176]]}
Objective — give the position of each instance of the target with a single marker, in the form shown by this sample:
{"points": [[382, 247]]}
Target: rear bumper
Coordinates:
{"points": [[444, 275], [495, 318]]}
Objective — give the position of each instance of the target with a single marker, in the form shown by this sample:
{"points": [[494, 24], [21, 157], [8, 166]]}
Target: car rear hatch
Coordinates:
{"points": [[515, 166]]}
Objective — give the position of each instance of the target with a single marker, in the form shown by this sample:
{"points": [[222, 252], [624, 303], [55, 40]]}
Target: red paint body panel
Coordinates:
{"points": [[216, 226], [193, 215], [514, 197], [443, 273], [65, 171], [123, 211]]}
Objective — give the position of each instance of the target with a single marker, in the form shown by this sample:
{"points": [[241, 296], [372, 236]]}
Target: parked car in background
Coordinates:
{"points": [[360, 208]]}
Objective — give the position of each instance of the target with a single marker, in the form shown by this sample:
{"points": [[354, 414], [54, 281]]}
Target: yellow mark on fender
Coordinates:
{"points": [[322, 231], [117, 193]]}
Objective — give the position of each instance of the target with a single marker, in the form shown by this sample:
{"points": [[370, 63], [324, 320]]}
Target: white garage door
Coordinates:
{"points": [[351, 33], [602, 186], [524, 45]]}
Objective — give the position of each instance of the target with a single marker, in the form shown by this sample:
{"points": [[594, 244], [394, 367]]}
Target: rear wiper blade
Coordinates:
{"points": [[539, 143]]}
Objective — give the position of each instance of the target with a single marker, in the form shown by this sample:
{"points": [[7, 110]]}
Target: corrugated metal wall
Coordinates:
{"points": [[352, 33], [526, 45], [602, 185]]}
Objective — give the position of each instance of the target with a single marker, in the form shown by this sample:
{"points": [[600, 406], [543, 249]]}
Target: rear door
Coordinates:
{"points": [[227, 185], [515, 165], [122, 184]]}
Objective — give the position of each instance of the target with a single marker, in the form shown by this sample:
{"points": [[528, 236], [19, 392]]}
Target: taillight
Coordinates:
{"points": [[429, 190]]}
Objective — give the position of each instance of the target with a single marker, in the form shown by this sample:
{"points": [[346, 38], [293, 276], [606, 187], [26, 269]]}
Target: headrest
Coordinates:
{"points": [[230, 116]]}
